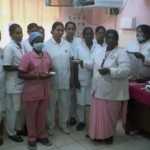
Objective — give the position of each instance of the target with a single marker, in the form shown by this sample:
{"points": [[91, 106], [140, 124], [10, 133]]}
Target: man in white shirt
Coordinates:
{"points": [[60, 52], [85, 52], [32, 27], [70, 30], [12, 54]]}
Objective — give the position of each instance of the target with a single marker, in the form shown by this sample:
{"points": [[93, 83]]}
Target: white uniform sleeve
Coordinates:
{"points": [[76, 53], [123, 69], [8, 56]]}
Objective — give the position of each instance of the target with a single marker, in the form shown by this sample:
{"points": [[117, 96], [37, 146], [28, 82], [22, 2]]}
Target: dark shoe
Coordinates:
{"points": [[16, 138], [87, 136], [21, 133], [32, 145], [1, 141], [72, 121], [45, 141], [109, 140], [80, 126]]}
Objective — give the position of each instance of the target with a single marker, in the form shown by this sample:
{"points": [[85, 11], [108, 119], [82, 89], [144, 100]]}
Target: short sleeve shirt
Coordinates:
{"points": [[35, 89], [12, 56]]}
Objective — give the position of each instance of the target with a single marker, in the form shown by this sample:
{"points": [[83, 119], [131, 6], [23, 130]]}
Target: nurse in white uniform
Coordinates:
{"points": [[139, 53], [13, 53], [70, 30], [60, 52], [85, 51]]}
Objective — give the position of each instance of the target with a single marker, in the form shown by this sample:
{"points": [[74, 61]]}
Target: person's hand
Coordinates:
{"points": [[44, 75], [34, 75], [104, 71], [139, 56]]}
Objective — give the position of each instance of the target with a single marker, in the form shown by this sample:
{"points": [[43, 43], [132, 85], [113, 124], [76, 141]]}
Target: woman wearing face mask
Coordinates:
{"points": [[140, 53], [109, 90], [35, 69]]}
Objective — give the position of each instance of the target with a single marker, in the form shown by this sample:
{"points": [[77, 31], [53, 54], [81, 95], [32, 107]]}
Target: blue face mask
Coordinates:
{"points": [[38, 46], [141, 39]]}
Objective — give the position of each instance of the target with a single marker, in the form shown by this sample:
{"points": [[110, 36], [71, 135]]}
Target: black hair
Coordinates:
{"points": [[145, 29], [31, 25], [55, 24], [85, 29], [100, 27], [13, 27], [114, 32], [70, 22]]}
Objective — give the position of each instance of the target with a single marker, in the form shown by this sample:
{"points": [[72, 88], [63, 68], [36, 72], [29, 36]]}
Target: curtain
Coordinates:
{"points": [[24, 12]]}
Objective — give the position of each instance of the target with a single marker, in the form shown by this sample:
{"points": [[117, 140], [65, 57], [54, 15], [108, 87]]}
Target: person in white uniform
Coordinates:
{"points": [[60, 52], [85, 51], [2, 95], [32, 27], [70, 30], [139, 53], [13, 52]]}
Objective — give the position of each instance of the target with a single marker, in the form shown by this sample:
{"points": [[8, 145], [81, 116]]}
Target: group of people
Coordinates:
{"points": [[82, 81]]}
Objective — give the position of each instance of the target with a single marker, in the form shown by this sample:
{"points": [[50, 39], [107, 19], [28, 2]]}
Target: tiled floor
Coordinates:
{"points": [[78, 141]]}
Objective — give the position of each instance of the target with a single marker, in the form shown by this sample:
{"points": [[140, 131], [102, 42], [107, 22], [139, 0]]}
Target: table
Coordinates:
{"points": [[138, 93], [138, 117]]}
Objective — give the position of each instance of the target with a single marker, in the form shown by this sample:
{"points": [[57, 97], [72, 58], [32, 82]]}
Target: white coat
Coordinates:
{"points": [[140, 69], [86, 55], [60, 55], [74, 44], [12, 56], [27, 46], [113, 86]]}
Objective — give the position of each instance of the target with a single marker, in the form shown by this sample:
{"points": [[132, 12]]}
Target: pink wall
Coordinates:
{"points": [[139, 9], [96, 16], [133, 8], [82, 17], [100, 16]]}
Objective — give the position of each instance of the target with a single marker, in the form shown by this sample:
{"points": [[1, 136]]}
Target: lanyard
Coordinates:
{"points": [[104, 59]]}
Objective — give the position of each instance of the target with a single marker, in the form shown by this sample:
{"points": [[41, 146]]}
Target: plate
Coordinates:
{"points": [[76, 60], [52, 73]]}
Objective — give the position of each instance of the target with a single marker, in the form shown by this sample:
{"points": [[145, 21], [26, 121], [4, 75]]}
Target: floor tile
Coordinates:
{"points": [[75, 146], [77, 141]]}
